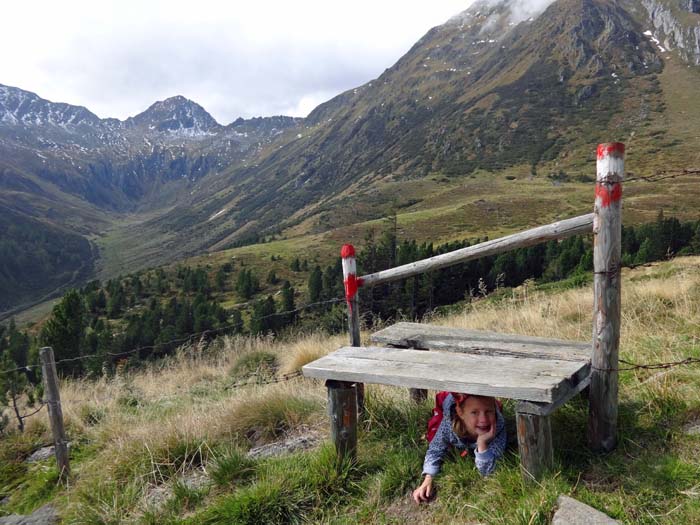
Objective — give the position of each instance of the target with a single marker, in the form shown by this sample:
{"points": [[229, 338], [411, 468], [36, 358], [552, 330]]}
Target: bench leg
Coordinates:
{"points": [[418, 395], [342, 408], [535, 445]]}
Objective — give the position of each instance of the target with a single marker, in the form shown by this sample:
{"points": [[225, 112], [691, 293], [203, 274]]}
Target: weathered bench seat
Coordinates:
{"points": [[540, 374]]}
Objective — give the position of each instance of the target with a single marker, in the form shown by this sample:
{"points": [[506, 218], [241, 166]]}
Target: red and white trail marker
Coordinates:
{"points": [[352, 283]]}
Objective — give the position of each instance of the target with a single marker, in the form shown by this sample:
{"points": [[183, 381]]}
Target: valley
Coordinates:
{"points": [[481, 129]]}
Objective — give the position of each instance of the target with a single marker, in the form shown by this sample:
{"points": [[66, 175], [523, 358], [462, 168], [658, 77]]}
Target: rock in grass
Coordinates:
{"points": [[573, 512], [43, 454], [281, 448], [45, 515], [692, 428]]}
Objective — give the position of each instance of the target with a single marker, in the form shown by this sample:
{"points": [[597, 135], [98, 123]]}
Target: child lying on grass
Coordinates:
{"points": [[469, 423]]}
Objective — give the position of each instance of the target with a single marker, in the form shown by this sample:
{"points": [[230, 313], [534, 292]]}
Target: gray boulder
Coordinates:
{"points": [[573, 512], [45, 515]]}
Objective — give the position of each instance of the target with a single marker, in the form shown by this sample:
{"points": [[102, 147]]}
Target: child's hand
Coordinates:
{"points": [[425, 491], [483, 440]]}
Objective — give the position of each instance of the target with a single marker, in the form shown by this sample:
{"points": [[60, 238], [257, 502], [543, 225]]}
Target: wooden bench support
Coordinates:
{"points": [[534, 444], [342, 408], [540, 374]]}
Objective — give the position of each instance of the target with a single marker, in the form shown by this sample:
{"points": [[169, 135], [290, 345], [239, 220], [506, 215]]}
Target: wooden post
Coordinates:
{"points": [[534, 444], [53, 401], [342, 408], [607, 225], [352, 284]]}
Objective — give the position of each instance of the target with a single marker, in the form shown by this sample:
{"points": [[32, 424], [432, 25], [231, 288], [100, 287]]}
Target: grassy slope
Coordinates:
{"points": [[141, 434], [438, 208]]}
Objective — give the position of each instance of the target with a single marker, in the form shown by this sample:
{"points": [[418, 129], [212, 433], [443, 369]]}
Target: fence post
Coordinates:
{"points": [[352, 284], [607, 225], [342, 408], [53, 400]]}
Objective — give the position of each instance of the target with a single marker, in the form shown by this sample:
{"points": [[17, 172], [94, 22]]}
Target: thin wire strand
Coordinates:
{"points": [[649, 366], [662, 175], [196, 335], [240, 384]]}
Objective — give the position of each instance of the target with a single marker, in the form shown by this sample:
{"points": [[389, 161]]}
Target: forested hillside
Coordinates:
{"points": [[35, 257]]}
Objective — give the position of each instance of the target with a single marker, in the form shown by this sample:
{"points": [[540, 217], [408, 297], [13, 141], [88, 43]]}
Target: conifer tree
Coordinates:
{"points": [[315, 284], [288, 304], [65, 330]]}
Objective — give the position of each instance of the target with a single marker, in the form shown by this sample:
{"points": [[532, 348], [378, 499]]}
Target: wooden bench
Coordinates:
{"points": [[540, 374]]}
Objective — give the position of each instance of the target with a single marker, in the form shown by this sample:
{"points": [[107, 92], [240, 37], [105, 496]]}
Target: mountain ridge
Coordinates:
{"points": [[489, 91]]}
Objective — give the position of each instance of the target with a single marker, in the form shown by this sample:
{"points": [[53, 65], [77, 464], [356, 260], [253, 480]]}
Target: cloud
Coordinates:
{"points": [[117, 57]]}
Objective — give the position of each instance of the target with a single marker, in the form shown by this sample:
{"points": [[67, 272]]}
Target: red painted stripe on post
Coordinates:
{"points": [[348, 250], [610, 148], [352, 284], [607, 195]]}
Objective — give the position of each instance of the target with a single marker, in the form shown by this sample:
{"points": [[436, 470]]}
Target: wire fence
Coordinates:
{"points": [[649, 366], [662, 175], [252, 380], [188, 339]]}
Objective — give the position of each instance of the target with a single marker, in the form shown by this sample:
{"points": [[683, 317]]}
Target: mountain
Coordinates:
{"points": [[67, 174], [175, 115], [501, 88], [488, 90]]}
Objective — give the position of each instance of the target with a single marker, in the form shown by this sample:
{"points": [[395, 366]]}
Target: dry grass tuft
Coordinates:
{"points": [[311, 347]]}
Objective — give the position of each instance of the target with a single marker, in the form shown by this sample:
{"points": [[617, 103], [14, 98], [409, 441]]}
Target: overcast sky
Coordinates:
{"points": [[261, 57]]}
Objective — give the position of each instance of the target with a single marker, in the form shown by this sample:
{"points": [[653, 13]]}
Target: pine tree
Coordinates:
{"points": [[13, 384], [221, 279], [246, 284], [65, 330], [315, 284], [288, 304], [262, 321]]}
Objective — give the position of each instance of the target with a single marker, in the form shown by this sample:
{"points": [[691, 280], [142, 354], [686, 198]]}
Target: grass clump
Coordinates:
{"points": [[288, 490], [269, 414], [231, 467], [38, 485], [259, 365]]}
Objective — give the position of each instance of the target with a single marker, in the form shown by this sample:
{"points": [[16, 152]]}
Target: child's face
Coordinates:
{"points": [[478, 414]]}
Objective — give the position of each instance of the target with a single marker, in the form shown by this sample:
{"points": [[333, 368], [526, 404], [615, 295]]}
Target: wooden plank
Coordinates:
{"points": [[534, 444], [557, 230], [431, 337], [503, 376], [546, 409], [607, 248]]}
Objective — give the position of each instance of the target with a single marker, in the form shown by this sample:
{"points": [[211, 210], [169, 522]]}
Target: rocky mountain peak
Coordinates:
{"points": [[176, 115], [24, 108]]}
